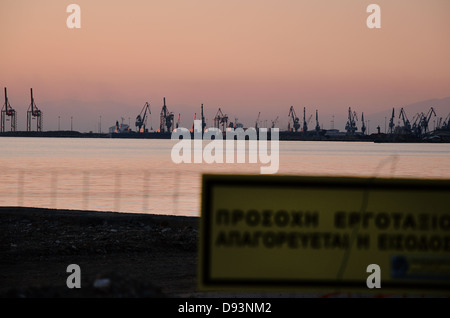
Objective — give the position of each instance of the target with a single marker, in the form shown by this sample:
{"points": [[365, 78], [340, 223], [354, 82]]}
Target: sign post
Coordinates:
{"points": [[324, 233]]}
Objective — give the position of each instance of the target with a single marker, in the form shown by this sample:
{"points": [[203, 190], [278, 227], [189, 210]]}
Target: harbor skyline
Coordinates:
{"points": [[244, 57]]}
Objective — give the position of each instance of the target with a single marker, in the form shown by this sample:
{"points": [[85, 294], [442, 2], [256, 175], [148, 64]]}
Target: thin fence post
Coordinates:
{"points": [[54, 188], [85, 193], [175, 195], [117, 191], [145, 191], [20, 188]]}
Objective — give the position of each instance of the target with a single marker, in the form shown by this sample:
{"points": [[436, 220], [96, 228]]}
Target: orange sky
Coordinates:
{"points": [[245, 56]]}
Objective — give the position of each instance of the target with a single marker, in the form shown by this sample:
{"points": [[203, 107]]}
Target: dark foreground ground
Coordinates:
{"points": [[119, 254]]}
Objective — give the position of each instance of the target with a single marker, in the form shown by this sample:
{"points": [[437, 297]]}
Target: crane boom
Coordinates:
{"points": [[141, 119], [406, 123], [295, 119]]}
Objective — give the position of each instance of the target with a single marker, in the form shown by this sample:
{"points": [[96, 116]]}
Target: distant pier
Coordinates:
{"points": [[438, 136]]}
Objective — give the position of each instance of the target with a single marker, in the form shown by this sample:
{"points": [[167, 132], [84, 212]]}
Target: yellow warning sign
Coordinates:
{"points": [[322, 233]]}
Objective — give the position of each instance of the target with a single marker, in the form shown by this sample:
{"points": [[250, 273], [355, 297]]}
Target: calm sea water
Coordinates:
{"points": [[134, 175]]}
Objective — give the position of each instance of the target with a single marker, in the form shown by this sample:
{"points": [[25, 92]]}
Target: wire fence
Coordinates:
{"points": [[162, 192]]}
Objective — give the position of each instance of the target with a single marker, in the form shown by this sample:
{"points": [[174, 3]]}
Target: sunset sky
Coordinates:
{"points": [[245, 56]]}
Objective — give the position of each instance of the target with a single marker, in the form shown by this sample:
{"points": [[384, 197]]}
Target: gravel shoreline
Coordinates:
{"points": [[119, 254]]}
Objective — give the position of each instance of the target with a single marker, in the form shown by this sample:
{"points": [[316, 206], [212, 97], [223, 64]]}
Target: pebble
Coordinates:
{"points": [[102, 283]]}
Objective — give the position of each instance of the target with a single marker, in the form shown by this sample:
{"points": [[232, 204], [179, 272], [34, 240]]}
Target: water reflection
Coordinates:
{"points": [[138, 175]]}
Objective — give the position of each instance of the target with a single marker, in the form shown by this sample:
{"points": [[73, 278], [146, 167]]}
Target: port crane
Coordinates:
{"points": [[166, 119], [8, 111], [425, 119], [350, 126], [363, 124], [34, 113], [295, 119], [220, 119], [406, 123], [141, 119], [391, 123], [317, 121], [416, 129], [305, 123]]}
